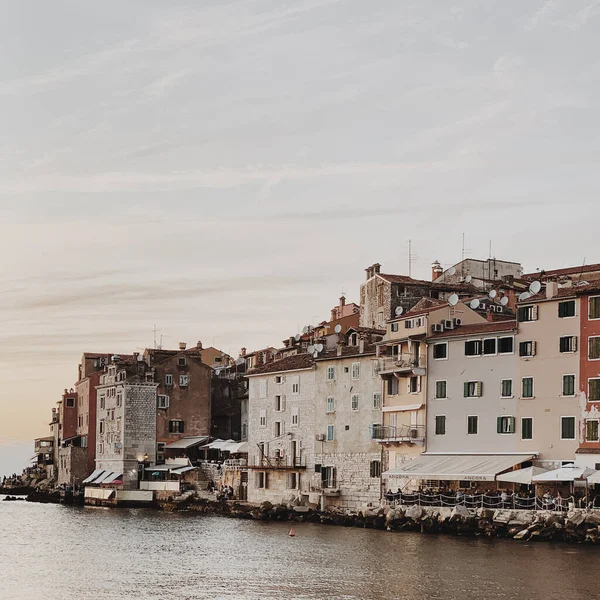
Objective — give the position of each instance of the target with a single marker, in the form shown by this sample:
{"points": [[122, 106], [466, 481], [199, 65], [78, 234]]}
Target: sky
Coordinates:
{"points": [[222, 169]]}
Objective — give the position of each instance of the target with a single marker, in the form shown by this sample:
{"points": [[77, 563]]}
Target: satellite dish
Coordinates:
{"points": [[453, 299], [474, 304], [399, 311], [305, 330], [468, 279], [524, 296], [338, 328], [452, 271], [319, 348], [297, 337], [535, 287], [493, 294], [310, 349], [504, 300]]}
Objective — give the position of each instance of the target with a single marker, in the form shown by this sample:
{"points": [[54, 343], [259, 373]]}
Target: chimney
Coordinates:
{"points": [[243, 352], [334, 313], [436, 270], [489, 316], [551, 289], [369, 271], [199, 345], [135, 356], [361, 346], [339, 349], [182, 345], [376, 268], [66, 391]]}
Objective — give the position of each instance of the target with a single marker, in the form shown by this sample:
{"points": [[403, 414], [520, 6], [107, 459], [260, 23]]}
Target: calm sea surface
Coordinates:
{"points": [[55, 552]]}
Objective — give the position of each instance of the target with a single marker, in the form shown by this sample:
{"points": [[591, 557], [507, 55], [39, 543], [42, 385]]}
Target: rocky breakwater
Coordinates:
{"points": [[577, 526]]}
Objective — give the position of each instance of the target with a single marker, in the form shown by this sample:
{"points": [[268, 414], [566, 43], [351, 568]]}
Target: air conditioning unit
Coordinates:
{"points": [[457, 322], [413, 433], [437, 327], [320, 437], [448, 324], [499, 308]]}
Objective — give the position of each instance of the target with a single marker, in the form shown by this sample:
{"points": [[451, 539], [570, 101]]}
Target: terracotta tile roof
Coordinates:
{"points": [[348, 351], [564, 292], [476, 329], [290, 363], [567, 271], [372, 330], [435, 285]]}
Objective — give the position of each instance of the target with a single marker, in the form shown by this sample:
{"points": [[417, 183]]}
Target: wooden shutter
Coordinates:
{"points": [[511, 424], [533, 348], [479, 389], [466, 389], [418, 383], [181, 426], [534, 312], [170, 427], [499, 424], [574, 343]]}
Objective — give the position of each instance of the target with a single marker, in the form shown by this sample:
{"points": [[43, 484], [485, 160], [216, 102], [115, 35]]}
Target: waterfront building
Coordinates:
{"points": [[125, 424], [547, 347], [229, 402], [281, 429], [347, 471]]}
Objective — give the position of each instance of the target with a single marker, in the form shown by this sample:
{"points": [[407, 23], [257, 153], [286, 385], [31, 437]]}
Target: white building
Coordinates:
{"points": [[281, 429], [125, 425], [347, 409]]}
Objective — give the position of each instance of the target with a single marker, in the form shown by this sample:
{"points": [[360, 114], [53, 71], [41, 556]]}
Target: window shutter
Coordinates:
{"points": [[408, 385], [574, 343], [266, 480], [534, 312], [170, 427], [479, 389], [466, 389], [533, 347], [273, 432], [511, 422], [419, 383], [282, 428], [282, 402], [181, 426], [499, 424]]}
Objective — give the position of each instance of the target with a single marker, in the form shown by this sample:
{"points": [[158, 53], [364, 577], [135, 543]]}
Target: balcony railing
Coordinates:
{"points": [[398, 363], [400, 433], [277, 462]]}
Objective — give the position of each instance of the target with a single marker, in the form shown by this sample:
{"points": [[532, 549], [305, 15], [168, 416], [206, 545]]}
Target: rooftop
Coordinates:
{"points": [[563, 272], [290, 363], [476, 329]]}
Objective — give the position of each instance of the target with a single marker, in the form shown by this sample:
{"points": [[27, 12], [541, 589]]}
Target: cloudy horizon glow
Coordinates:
{"points": [[223, 169]]}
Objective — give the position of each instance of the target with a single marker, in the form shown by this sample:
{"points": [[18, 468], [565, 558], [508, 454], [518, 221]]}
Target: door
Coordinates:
{"points": [[293, 452], [243, 489]]}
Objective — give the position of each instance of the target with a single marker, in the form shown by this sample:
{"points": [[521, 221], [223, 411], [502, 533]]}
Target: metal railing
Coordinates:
{"points": [[277, 462], [390, 363], [493, 501], [399, 432]]}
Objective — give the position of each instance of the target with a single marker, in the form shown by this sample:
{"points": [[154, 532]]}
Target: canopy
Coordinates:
{"points": [[187, 442], [94, 476], [524, 476], [565, 473], [594, 477], [111, 478], [219, 444], [451, 467], [236, 447], [182, 470]]}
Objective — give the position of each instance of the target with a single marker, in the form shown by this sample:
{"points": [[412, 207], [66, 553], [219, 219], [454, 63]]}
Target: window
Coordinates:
{"points": [[375, 469], [527, 428], [505, 424], [489, 346], [594, 348], [408, 324], [392, 386], [182, 361], [163, 401], [277, 429], [473, 389], [375, 364], [440, 389], [472, 424], [394, 327], [527, 348], [527, 313], [279, 379], [354, 402], [328, 477], [119, 424], [262, 480], [594, 307], [380, 294], [506, 388], [263, 418], [292, 481], [593, 390], [176, 426], [330, 373], [100, 448], [376, 400], [330, 404], [330, 433], [567, 343], [184, 380], [440, 351], [70, 402], [168, 379], [506, 345], [566, 309], [591, 430], [414, 384], [473, 348], [567, 428], [355, 370], [527, 387], [279, 403], [296, 386], [440, 425], [295, 416], [568, 385], [102, 401], [119, 398], [102, 428]]}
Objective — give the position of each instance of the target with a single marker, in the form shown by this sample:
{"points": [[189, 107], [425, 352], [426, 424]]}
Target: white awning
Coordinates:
{"points": [[594, 478], [455, 467], [524, 476], [182, 470], [187, 442], [105, 477], [160, 468], [405, 407], [93, 476], [566, 473], [219, 444], [236, 448], [112, 477]]}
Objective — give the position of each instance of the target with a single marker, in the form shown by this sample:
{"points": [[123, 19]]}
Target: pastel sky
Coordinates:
{"points": [[223, 168]]}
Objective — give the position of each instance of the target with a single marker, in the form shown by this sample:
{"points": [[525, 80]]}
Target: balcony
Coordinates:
{"points": [[387, 434], [282, 463], [398, 364]]}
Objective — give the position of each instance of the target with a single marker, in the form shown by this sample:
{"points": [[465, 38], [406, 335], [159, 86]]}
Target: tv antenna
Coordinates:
{"points": [[411, 258]]}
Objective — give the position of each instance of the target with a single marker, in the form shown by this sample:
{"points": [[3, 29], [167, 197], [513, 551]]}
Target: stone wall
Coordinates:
{"points": [[72, 465]]}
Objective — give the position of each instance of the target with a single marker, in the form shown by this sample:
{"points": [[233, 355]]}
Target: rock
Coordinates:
{"points": [[503, 517], [301, 509], [575, 519], [459, 511], [266, 505], [522, 535], [592, 519], [414, 512]]}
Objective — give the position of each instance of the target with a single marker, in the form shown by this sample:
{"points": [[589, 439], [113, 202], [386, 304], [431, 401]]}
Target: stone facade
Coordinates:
{"points": [[72, 465], [229, 391]]}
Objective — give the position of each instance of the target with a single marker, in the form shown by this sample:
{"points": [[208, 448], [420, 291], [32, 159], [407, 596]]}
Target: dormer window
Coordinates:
{"points": [[182, 361], [353, 340]]}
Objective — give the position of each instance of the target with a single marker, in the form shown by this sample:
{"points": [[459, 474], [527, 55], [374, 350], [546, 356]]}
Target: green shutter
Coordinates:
{"points": [[499, 424], [466, 389]]}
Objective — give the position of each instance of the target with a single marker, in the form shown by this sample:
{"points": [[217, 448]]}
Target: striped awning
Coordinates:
{"points": [[95, 475]]}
